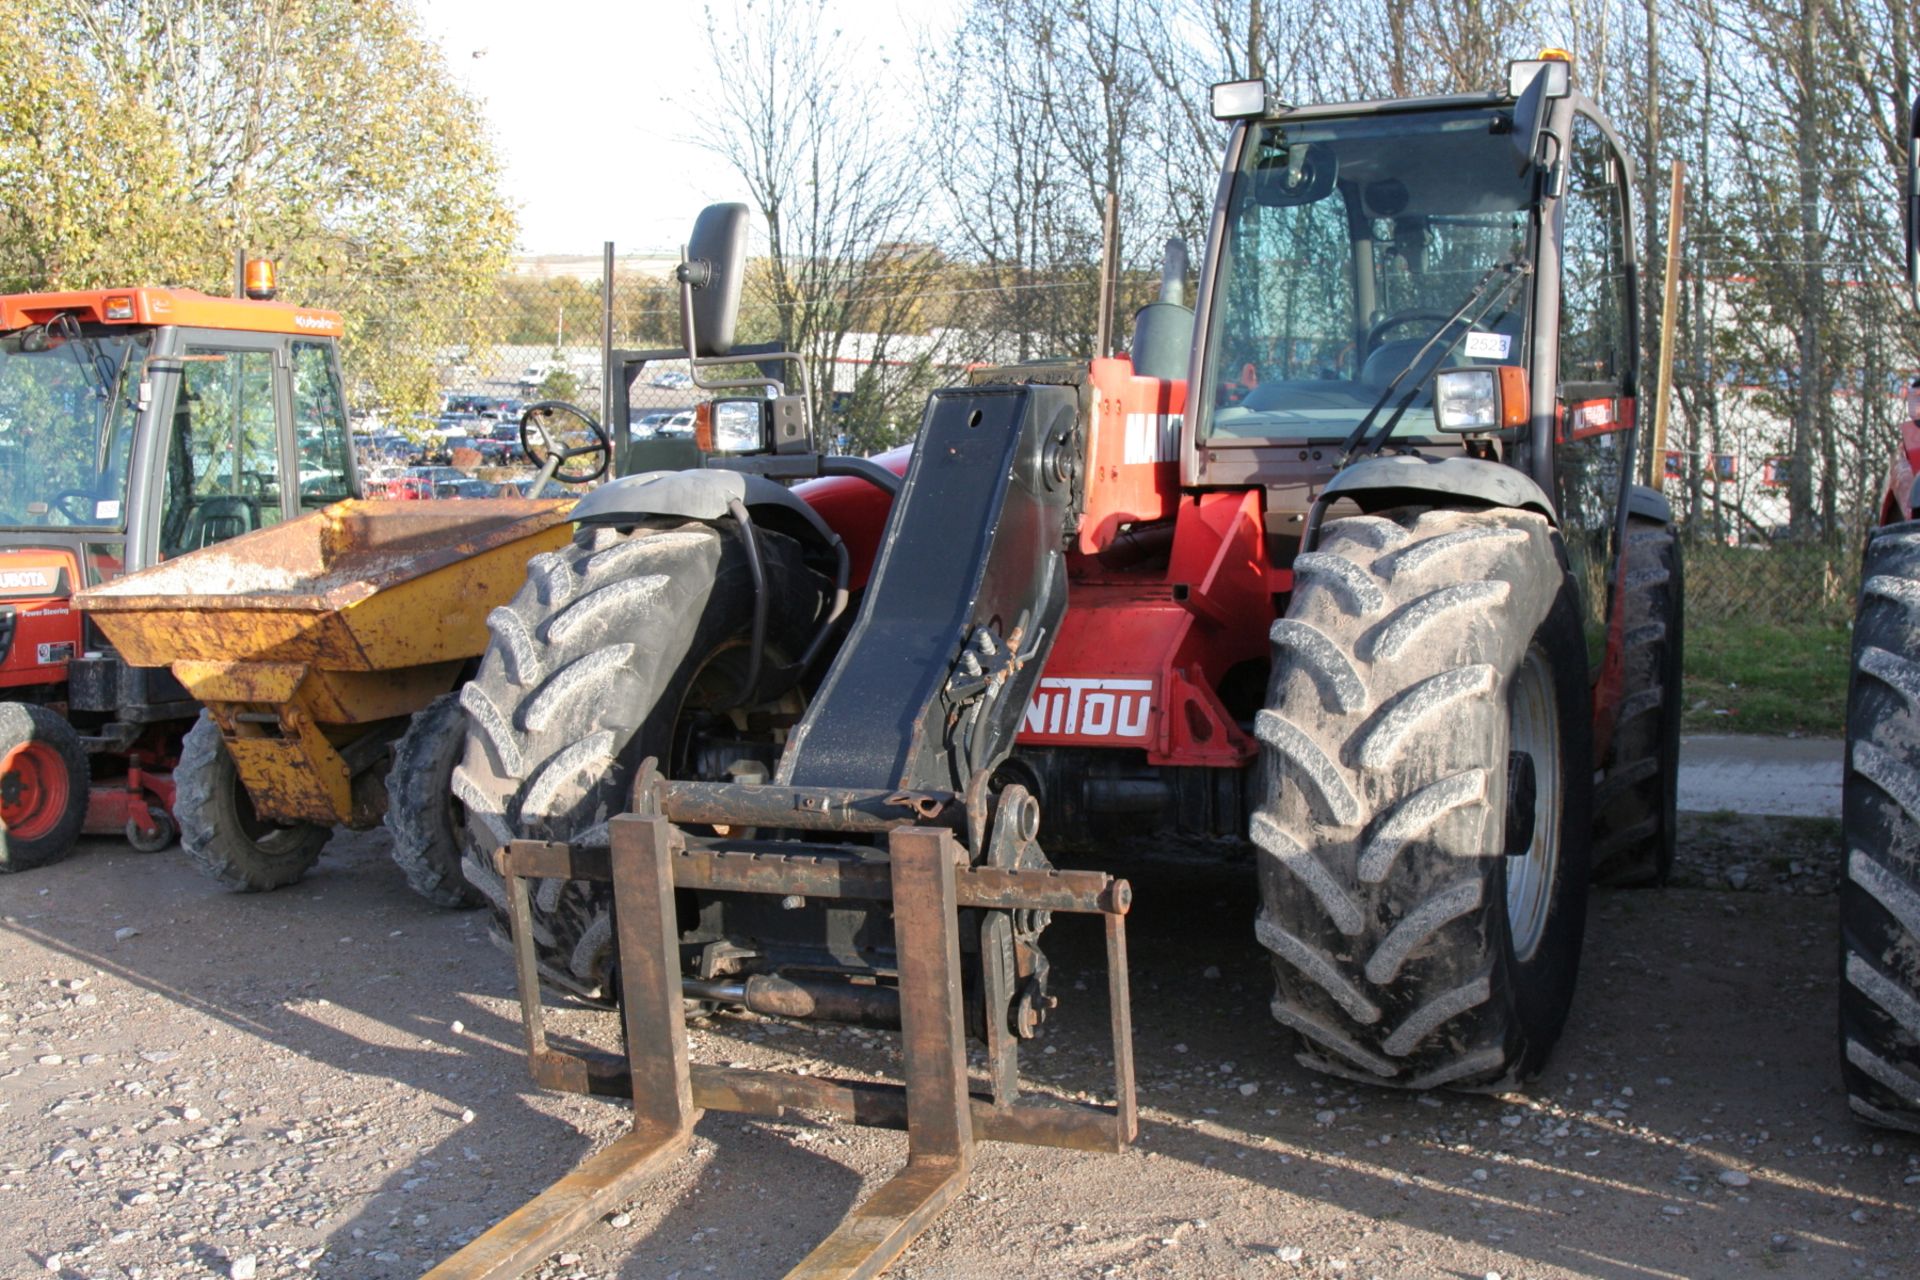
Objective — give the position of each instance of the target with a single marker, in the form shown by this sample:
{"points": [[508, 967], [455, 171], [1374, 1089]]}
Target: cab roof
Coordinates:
{"points": [[150, 306]]}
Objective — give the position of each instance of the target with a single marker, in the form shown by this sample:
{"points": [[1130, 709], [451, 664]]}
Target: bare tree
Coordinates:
{"points": [[823, 157]]}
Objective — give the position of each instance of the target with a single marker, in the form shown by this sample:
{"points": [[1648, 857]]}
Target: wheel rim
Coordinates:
{"points": [[33, 790], [1533, 719]]}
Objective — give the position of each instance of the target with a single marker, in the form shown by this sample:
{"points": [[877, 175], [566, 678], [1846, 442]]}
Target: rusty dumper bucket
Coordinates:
{"points": [[306, 638]]}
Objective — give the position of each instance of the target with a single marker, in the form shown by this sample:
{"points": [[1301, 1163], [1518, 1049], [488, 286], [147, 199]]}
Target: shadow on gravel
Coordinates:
{"points": [[1690, 1122], [1700, 1045], [354, 975]]}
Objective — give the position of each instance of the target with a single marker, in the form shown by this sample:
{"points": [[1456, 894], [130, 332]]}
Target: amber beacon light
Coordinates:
{"points": [[260, 282]]}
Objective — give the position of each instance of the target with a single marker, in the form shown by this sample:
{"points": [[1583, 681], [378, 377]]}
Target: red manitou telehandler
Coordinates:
{"points": [[1880, 796], [1345, 561]]}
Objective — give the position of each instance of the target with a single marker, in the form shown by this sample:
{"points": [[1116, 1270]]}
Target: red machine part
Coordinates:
{"points": [[35, 790], [139, 802], [43, 630], [1896, 498], [1133, 452], [1141, 652]]}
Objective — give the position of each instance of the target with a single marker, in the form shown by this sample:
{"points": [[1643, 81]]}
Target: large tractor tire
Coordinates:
{"points": [[1429, 670], [1880, 805], [221, 832], [424, 818], [44, 781], [1635, 830], [625, 645]]}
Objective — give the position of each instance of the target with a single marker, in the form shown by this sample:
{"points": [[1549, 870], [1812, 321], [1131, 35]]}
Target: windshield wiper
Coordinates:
{"points": [[1358, 443], [99, 369]]}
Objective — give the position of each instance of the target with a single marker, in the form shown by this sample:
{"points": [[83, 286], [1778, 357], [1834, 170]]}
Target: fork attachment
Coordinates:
{"points": [[927, 880], [925, 889]]}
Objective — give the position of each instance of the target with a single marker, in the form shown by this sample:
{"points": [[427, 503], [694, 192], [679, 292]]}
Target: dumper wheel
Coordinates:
{"points": [[1880, 810], [1633, 806], [43, 787], [627, 644], [1429, 677], [221, 832], [423, 816]]}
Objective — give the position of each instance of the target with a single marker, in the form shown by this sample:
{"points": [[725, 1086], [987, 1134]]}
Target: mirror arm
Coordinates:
{"points": [[699, 274]]}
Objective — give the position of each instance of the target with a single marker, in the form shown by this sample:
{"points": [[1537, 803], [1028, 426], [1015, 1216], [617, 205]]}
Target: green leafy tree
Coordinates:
{"points": [[560, 384], [145, 140]]}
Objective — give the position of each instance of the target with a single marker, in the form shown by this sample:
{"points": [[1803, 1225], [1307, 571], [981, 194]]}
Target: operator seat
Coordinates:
{"points": [[218, 518]]}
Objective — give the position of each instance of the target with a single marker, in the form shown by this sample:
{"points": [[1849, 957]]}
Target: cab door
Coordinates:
{"points": [[225, 464], [1598, 343], [320, 444]]}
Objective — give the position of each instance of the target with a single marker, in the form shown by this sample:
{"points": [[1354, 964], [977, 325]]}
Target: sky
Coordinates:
{"points": [[593, 106]]}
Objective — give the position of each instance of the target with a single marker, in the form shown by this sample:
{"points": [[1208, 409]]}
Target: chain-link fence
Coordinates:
{"points": [[439, 380], [1778, 584]]}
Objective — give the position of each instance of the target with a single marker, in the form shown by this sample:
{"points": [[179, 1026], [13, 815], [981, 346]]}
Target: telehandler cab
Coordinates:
{"points": [[1346, 561]]}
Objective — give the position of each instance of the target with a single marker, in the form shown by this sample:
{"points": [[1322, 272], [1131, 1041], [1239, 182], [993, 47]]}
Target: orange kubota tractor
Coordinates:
{"points": [[1880, 797], [135, 424], [1345, 562]]}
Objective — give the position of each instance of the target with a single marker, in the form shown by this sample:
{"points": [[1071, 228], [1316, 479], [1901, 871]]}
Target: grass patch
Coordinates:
{"points": [[1762, 677]]}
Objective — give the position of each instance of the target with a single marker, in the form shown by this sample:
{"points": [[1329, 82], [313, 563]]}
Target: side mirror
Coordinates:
{"points": [[710, 277], [1549, 79]]}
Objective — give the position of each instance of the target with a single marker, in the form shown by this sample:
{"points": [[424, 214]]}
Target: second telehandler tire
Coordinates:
{"points": [[1429, 670], [1880, 821], [1635, 828]]}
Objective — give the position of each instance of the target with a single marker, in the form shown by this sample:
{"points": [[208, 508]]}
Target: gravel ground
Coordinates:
{"points": [[326, 1080]]}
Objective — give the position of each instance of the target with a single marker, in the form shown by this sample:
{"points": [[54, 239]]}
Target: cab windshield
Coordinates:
{"points": [[67, 414], [1349, 242]]}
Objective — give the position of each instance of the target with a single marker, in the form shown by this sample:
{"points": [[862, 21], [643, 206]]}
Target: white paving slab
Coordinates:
{"points": [[1785, 777]]}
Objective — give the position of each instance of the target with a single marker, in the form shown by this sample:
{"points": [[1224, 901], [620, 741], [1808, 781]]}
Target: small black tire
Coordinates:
{"points": [[1635, 825], [219, 829], [424, 818], [591, 669], [1420, 651], [164, 831], [44, 784], [1880, 820]]}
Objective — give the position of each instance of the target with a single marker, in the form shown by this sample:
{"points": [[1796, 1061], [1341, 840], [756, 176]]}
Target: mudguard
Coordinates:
{"points": [[1375, 484], [1651, 503], [702, 495]]}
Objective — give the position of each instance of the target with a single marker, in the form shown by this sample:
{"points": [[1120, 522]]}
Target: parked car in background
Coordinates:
{"points": [[674, 379], [677, 426], [647, 426]]}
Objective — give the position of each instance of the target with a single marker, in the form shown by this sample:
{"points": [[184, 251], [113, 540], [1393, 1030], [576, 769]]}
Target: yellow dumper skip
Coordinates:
{"points": [[311, 638]]}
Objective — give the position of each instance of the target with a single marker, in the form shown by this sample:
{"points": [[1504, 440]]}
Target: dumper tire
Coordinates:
{"points": [[219, 829], [586, 675], [1414, 648], [1635, 829], [424, 817], [1880, 820], [44, 782]]}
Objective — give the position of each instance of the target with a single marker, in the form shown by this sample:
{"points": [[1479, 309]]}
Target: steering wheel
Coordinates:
{"points": [[58, 502], [1383, 327], [531, 423]]}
